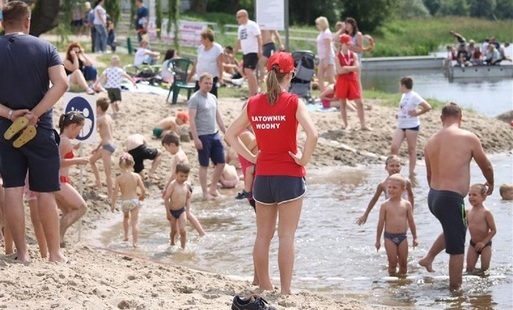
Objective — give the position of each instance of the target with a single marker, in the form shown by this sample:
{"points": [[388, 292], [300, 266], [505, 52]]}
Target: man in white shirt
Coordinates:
{"points": [[249, 40]]}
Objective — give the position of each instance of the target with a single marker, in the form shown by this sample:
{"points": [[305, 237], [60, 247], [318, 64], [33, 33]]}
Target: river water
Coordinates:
{"points": [[333, 255]]}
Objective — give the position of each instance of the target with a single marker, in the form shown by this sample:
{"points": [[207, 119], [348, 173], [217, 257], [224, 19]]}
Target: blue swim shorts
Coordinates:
{"points": [[212, 149]]}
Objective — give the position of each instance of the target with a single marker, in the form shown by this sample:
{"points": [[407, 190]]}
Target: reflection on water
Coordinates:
{"points": [[333, 255], [490, 97]]}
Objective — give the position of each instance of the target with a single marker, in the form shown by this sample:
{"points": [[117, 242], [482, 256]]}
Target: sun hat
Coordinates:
{"points": [[346, 39], [283, 61], [183, 116]]}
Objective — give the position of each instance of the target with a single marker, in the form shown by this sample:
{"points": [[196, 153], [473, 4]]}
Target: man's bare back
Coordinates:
{"points": [[448, 154]]}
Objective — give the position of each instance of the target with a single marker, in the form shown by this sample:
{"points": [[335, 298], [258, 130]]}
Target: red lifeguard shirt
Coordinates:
{"points": [[275, 128], [347, 60]]}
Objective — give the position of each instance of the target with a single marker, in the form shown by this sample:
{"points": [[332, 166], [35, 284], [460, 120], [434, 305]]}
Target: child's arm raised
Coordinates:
{"points": [[363, 218], [381, 224]]}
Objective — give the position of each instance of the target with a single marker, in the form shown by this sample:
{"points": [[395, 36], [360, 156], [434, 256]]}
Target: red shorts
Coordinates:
{"points": [[347, 89], [64, 179]]}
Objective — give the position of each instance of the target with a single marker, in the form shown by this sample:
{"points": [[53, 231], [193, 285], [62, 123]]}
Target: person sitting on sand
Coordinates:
{"points": [[177, 199], [127, 183], [506, 191], [229, 177], [395, 216], [145, 56], [481, 227], [74, 63], [328, 99], [137, 146], [171, 124]]}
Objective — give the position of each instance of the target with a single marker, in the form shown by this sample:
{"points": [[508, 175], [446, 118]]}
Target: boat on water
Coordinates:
{"points": [[478, 72]]}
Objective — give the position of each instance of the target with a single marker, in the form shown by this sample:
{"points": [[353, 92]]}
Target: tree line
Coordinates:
{"points": [[370, 14]]}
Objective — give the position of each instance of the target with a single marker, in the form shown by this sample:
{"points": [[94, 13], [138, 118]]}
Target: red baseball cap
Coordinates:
{"points": [[283, 60], [346, 39], [183, 116]]}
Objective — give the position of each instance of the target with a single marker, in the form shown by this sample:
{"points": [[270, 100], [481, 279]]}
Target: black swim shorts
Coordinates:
{"points": [[449, 208], [141, 153]]}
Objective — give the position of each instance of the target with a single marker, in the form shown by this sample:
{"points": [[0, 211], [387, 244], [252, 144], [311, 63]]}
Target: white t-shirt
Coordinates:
{"points": [[321, 44], [140, 56], [103, 13], [114, 77], [207, 60], [409, 101], [247, 35]]}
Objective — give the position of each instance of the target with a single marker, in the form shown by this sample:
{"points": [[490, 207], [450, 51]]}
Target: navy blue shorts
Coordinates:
{"points": [[449, 209], [268, 49], [271, 190], [40, 156], [212, 149], [141, 153], [416, 128]]}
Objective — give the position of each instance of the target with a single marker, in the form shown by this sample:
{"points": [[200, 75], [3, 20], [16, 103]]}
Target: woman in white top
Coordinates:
{"points": [[100, 25], [325, 52], [210, 59], [408, 121]]}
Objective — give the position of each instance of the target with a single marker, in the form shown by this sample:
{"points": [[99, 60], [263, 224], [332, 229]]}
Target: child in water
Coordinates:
{"points": [[127, 183]]}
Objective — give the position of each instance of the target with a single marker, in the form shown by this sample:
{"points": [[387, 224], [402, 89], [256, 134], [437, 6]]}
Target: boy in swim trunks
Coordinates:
{"points": [[392, 166], [171, 143], [176, 199], [396, 215], [481, 227], [127, 183], [106, 148]]}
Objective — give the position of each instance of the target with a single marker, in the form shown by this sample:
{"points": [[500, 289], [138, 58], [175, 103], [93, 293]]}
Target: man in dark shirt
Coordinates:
{"points": [[141, 19], [28, 65]]}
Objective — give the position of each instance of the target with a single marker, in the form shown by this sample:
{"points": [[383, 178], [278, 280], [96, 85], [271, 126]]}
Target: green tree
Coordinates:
{"points": [[482, 8], [454, 8], [44, 16], [433, 6], [412, 8], [158, 16], [173, 16], [305, 12], [370, 14], [113, 8], [504, 9]]}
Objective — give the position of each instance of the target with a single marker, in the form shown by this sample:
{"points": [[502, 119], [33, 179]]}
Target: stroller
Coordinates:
{"points": [[301, 84]]}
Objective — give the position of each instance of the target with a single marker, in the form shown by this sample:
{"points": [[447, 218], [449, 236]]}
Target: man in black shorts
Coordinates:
{"points": [[137, 147], [249, 40], [28, 66], [448, 154]]}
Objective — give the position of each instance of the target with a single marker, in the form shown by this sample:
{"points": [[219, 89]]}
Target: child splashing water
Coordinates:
{"points": [[127, 183]]}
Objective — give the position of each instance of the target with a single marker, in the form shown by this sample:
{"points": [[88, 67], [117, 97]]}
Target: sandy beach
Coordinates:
{"points": [[101, 279]]}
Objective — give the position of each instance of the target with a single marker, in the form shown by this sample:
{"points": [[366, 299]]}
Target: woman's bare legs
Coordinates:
{"points": [[289, 214]]}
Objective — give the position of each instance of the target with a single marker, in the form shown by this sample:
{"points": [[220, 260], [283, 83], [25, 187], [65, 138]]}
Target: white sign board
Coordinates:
{"points": [[270, 14], [85, 104], [188, 31]]}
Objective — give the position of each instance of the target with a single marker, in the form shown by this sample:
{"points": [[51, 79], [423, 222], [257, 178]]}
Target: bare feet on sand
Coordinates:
{"points": [[424, 262]]}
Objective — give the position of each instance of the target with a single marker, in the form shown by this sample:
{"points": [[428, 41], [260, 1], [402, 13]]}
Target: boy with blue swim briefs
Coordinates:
{"points": [[396, 215], [448, 154], [177, 199]]}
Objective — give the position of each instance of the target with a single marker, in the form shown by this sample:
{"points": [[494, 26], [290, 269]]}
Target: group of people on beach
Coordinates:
{"points": [[265, 137]]}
